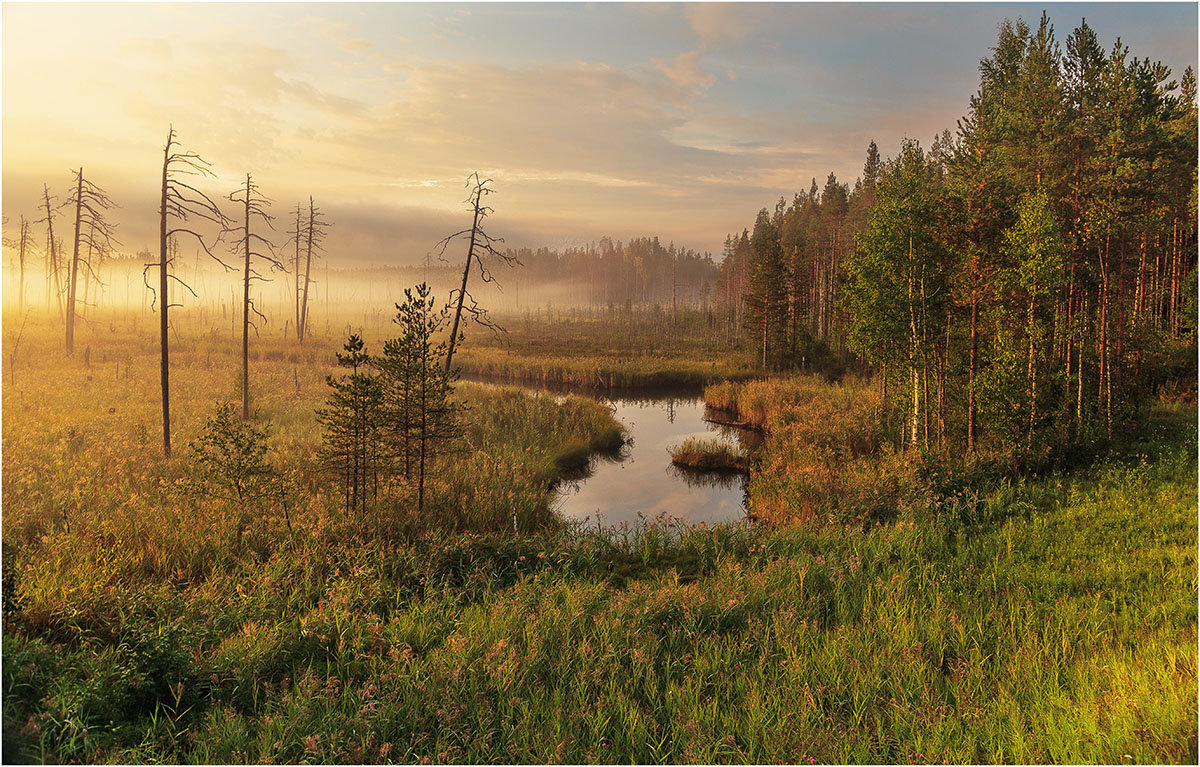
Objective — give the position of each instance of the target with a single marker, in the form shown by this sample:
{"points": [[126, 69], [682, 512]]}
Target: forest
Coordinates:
{"points": [[906, 474], [1028, 278]]}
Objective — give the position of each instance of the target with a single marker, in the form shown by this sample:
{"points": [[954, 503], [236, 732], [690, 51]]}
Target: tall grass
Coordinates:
{"points": [[827, 456], [1039, 620], [1045, 633], [605, 350], [709, 454]]}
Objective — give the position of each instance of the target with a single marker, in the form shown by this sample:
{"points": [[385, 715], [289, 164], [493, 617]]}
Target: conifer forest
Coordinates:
{"points": [[548, 448]]}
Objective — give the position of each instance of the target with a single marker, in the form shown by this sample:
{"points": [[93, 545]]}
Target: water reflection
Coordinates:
{"points": [[641, 482], [724, 479]]}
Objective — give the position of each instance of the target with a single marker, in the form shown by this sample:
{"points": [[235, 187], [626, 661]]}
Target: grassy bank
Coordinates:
{"points": [[1058, 625], [1037, 620]]}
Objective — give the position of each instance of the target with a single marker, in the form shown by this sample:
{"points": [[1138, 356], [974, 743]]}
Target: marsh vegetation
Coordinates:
{"points": [[906, 475]]}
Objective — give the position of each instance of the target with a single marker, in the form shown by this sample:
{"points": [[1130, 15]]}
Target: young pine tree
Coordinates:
{"points": [[353, 434], [420, 415], [232, 456]]}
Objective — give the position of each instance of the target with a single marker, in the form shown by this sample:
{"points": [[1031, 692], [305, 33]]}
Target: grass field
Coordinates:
{"points": [[1027, 620], [606, 350]]}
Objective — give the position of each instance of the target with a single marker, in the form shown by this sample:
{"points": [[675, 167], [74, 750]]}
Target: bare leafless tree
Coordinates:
{"points": [[314, 235], [53, 279], [92, 271], [180, 202], [22, 245], [481, 250], [254, 205], [297, 236], [90, 203]]}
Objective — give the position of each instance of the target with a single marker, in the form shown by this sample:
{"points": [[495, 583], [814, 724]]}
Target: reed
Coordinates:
{"points": [[1040, 620], [709, 454]]}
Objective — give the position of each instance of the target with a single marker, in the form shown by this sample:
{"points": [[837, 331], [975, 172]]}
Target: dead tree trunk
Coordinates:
{"points": [[253, 205], [480, 245], [23, 248], [90, 202], [53, 281], [74, 264], [180, 201], [462, 291], [314, 234], [296, 272], [246, 309]]}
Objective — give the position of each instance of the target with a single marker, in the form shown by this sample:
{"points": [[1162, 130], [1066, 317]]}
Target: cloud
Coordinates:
{"points": [[685, 72], [744, 102], [719, 22], [355, 45]]}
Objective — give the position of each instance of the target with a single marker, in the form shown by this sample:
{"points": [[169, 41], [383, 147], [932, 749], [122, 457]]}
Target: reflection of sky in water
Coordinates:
{"points": [[645, 482]]}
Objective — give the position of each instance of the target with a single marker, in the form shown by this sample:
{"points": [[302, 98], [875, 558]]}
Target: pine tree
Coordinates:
{"points": [[232, 455], [897, 279], [765, 299], [352, 423], [419, 413]]}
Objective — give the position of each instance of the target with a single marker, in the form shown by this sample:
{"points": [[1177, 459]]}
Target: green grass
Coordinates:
{"points": [[1023, 620], [605, 350], [709, 454], [1060, 626]]}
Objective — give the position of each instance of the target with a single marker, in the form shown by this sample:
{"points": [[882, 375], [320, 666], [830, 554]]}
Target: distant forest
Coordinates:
{"points": [[642, 270]]}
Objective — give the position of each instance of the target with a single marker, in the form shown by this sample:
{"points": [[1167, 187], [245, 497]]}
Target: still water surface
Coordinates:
{"points": [[643, 483]]}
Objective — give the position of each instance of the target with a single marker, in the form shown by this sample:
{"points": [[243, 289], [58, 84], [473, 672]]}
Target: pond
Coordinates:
{"points": [[642, 483]]}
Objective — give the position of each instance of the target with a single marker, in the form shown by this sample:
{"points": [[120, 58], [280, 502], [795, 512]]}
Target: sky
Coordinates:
{"points": [[670, 119]]}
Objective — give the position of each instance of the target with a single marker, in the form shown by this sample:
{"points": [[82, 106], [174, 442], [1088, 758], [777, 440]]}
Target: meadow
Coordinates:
{"points": [[608, 349], [877, 618]]}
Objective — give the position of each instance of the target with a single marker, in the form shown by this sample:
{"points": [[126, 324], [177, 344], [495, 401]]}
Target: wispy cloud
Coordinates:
{"points": [[679, 120], [685, 71]]}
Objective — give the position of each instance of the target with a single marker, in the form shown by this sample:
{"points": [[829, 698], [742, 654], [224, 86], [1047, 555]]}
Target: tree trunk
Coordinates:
{"points": [[164, 371], [422, 441], [302, 326], [21, 278], [246, 311], [296, 265], [1031, 372], [53, 276], [87, 272], [972, 369], [462, 291], [74, 273]]}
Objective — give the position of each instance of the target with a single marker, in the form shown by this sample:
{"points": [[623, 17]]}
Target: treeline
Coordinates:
{"points": [[1028, 278], [641, 271], [780, 283]]}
